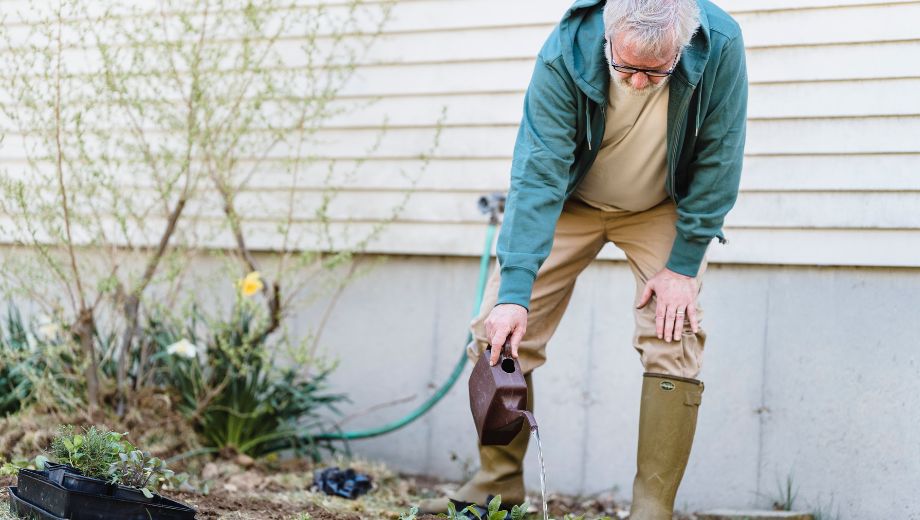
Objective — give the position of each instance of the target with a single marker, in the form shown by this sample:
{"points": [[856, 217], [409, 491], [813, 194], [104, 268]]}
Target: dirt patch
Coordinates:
{"points": [[223, 504]]}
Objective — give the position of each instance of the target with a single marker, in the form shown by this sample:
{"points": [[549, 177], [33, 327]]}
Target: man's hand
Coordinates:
{"points": [[507, 319], [676, 295]]}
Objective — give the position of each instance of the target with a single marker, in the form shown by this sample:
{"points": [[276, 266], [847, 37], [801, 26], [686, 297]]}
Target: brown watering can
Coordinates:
{"points": [[498, 398]]}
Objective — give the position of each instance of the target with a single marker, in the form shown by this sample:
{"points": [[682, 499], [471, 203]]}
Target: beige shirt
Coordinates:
{"points": [[629, 172]]}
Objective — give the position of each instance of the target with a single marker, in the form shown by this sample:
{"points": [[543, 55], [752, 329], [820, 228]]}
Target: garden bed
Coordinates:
{"points": [[282, 492]]}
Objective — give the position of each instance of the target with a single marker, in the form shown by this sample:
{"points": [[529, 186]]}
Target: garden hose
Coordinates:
{"points": [[493, 204]]}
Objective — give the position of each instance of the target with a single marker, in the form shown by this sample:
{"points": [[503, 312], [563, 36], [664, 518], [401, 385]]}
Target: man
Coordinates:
{"points": [[633, 132]]}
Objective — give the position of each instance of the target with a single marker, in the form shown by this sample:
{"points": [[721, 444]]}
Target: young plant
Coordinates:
{"points": [[493, 511], [10, 469], [138, 469], [92, 452], [822, 511], [785, 499], [411, 515]]}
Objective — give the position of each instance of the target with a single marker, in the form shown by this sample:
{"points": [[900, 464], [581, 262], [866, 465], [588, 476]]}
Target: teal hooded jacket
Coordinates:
{"points": [[563, 125]]}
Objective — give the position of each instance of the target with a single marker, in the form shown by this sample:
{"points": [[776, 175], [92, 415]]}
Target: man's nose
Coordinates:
{"points": [[639, 80]]}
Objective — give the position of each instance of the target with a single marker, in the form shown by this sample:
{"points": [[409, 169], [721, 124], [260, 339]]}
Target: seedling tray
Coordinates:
{"points": [[24, 509], [71, 478], [35, 488]]}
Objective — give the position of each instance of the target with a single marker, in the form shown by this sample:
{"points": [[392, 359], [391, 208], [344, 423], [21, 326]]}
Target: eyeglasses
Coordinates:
{"points": [[632, 70]]}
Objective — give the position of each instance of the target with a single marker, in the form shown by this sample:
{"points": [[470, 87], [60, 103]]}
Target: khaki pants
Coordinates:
{"points": [[646, 238]]}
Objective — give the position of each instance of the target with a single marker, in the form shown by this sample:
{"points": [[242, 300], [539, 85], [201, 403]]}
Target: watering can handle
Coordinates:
{"points": [[506, 349]]}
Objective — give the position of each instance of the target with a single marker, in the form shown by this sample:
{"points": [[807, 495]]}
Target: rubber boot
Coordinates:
{"points": [[667, 422], [501, 472]]}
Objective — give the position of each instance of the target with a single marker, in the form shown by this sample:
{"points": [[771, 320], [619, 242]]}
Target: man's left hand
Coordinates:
{"points": [[676, 297]]}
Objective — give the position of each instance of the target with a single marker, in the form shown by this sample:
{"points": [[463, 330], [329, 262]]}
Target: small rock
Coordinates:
{"points": [[210, 471], [188, 488], [247, 481], [245, 460]]}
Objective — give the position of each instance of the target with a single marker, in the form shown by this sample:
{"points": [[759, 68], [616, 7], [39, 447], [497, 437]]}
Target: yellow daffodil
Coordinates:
{"points": [[250, 285]]}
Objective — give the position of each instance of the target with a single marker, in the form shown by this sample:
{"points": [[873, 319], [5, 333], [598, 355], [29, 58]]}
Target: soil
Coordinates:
{"points": [[226, 505], [281, 491]]}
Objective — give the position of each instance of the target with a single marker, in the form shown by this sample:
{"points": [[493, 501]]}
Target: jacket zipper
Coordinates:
{"points": [[672, 171]]}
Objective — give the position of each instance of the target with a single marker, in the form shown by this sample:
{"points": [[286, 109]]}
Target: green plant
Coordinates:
{"points": [[138, 469], [93, 452], [37, 365], [12, 468], [411, 515], [492, 513], [785, 499], [15, 386], [107, 455], [827, 511], [233, 390]]}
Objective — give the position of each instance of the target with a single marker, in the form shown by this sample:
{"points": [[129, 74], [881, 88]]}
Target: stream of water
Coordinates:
{"points": [[536, 433]]}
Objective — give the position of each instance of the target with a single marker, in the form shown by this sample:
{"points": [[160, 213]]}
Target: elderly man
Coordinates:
{"points": [[633, 132]]}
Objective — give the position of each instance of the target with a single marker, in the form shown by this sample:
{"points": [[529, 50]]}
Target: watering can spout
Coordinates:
{"points": [[531, 420]]}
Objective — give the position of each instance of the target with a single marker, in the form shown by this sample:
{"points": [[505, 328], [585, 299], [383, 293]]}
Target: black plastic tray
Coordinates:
{"points": [[23, 509], [35, 488], [71, 478], [134, 494]]}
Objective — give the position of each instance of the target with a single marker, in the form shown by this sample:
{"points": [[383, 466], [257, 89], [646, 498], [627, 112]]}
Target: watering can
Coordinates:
{"points": [[498, 398]]}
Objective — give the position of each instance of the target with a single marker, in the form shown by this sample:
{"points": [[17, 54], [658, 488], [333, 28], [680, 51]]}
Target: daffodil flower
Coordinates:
{"points": [[184, 348], [48, 330], [251, 284]]}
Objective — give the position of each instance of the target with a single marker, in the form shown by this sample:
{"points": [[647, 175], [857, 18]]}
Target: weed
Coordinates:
{"points": [[823, 511], [787, 495]]}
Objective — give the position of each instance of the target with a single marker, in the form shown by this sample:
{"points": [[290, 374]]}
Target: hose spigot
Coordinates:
{"points": [[493, 205]]}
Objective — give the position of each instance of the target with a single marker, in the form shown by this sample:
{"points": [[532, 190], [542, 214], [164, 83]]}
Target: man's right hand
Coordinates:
{"points": [[506, 319]]}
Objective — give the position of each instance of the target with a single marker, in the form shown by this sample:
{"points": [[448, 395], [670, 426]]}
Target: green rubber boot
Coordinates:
{"points": [[667, 423], [501, 472]]}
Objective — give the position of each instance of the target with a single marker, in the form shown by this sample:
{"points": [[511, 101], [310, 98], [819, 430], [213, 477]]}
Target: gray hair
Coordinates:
{"points": [[657, 28]]}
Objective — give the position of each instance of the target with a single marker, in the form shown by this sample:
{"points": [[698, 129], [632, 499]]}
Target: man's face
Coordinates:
{"points": [[623, 52]]}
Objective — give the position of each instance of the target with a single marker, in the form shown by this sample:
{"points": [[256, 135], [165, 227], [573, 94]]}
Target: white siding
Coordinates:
{"points": [[832, 167]]}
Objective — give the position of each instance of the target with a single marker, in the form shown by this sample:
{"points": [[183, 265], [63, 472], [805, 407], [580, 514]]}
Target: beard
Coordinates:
{"points": [[624, 86]]}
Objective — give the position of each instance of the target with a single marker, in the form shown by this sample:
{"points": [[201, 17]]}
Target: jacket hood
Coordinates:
{"points": [[581, 31]]}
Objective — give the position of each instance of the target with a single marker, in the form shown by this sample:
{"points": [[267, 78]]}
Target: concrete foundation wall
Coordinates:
{"points": [[810, 373]]}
